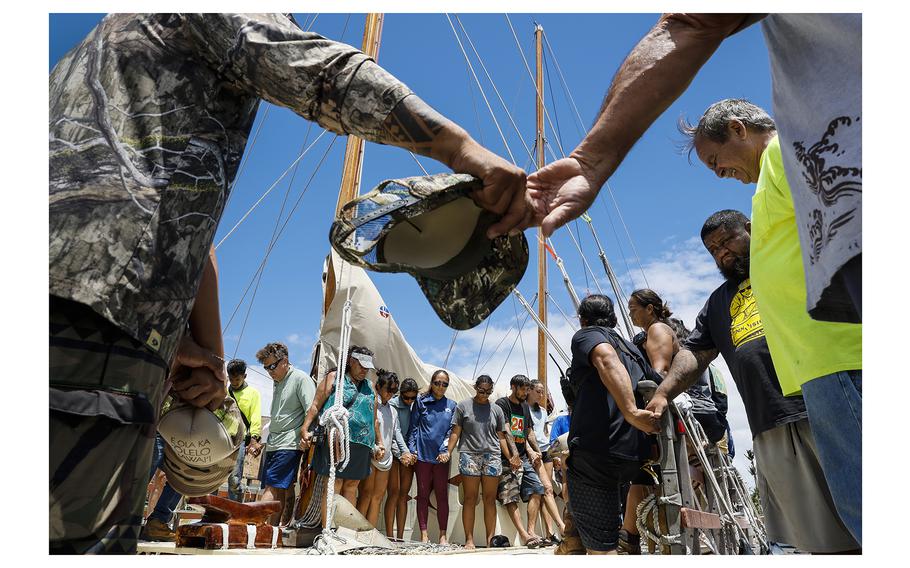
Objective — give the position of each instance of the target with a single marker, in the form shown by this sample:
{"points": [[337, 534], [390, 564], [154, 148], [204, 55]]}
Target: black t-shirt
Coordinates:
{"points": [[730, 323], [518, 422], [597, 423]]}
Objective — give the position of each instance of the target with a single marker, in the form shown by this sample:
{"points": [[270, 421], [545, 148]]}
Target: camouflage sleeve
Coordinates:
{"points": [[326, 81]]}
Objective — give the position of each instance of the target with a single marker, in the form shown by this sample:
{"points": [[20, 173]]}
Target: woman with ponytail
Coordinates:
{"points": [[658, 342]]}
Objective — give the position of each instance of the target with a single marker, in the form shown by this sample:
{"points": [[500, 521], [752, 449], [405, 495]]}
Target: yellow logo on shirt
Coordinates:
{"points": [[745, 321]]}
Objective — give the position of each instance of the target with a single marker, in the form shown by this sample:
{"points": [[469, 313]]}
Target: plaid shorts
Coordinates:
{"points": [[480, 463]]}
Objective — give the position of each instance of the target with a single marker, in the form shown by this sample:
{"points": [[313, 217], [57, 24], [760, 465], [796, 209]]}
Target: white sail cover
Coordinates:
{"points": [[373, 326]]}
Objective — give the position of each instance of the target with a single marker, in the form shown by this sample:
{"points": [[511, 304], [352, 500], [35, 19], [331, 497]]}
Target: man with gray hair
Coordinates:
{"points": [[820, 360], [292, 396]]}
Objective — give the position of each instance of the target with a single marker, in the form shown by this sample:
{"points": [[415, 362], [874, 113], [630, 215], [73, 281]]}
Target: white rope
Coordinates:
{"points": [[335, 419]]}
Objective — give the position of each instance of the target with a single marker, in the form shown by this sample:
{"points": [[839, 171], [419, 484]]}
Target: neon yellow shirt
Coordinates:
{"points": [[249, 402], [802, 348]]}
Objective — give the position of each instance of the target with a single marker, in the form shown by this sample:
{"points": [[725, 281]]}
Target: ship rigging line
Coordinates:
{"points": [[284, 203], [504, 337], [271, 187], [283, 227]]}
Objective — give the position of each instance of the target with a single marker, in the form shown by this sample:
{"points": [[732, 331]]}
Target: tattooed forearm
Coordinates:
{"points": [[686, 368], [415, 126]]}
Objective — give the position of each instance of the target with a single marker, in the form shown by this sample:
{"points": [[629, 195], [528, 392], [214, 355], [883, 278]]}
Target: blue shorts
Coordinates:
{"points": [[280, 468], [476, 464]]}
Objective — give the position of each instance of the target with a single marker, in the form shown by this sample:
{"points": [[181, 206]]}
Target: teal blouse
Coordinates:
{"points": [[360, 401]]}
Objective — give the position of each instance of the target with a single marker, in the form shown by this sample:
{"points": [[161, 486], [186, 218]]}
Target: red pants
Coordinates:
{"points": [[433, 476]]}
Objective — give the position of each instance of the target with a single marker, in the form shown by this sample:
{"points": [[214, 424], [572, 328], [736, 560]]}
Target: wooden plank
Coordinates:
{"points": [[694, 519]]}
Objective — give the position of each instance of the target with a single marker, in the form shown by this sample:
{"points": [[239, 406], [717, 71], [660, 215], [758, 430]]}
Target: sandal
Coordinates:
{"points": [[535, 542]]}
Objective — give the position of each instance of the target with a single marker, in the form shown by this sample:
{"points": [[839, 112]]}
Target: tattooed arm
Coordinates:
{"points": [[686, 368], [416, 126], [347, 92]]}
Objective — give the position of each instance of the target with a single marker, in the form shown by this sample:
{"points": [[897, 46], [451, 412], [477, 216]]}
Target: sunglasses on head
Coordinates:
{"points": [[440, 384], [273, 366]]}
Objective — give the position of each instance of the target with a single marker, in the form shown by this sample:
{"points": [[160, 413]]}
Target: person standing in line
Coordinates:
{"points": [[820, 360], [376, 485], [519, 480], [796, 501], [607, 441], [537, 402], [402, 474], [292, 395], [249, 403], [358, 398], [478, 430], [428, 438]]}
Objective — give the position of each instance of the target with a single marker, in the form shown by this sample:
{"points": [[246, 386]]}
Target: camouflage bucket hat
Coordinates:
{"points": [[429, 227]]}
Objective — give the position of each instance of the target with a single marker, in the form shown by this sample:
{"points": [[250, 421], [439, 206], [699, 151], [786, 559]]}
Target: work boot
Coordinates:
{"points": [[156, 531], [571, 541], [628, 543]]}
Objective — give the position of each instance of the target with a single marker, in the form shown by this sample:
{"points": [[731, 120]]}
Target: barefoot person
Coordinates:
{"points": [[478, 429], [378, 483], [431, 422], [402, 473]]}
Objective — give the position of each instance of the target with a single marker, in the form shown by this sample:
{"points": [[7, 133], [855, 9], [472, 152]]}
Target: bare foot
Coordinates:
{"points": [[469, 545], [424, 537], [442, 539]]}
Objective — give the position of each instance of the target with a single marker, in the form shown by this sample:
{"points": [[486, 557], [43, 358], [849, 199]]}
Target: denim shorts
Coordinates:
{"points": [[475, 464]]}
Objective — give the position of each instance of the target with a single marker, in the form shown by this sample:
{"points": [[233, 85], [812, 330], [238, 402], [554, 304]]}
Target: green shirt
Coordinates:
{"points": [[291, 398], [802, 348]]}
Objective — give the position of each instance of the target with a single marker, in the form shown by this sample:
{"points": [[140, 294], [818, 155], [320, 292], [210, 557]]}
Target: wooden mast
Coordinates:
{"points": [[541, 251], [353, 153]]}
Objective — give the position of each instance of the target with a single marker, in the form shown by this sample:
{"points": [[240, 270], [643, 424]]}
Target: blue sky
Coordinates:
{"points": [[663, 199]]}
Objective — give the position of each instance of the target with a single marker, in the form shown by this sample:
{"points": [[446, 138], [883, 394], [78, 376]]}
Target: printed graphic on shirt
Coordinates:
{"points": [[745, 321], [830, 180], [517, 425]]}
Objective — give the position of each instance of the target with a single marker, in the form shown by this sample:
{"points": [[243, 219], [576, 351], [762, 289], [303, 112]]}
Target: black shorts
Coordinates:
{"points": [[358, 466], [594, 496]]}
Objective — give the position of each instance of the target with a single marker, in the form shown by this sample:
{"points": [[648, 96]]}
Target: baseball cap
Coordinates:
{"points": [[365, 360], [429, 227]]}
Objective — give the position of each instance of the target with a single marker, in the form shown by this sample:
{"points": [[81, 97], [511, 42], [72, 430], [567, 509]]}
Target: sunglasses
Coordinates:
{"points": [[408, 399], [440, 384], [391, 390], [483, 391], [273, 366]]}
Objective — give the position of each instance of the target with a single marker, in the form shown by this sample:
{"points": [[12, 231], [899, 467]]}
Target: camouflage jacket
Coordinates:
{"points": [[149, 117]]}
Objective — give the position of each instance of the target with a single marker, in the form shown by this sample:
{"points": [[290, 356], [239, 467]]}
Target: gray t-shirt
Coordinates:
{"points": [[479, 424], [817, 73]]}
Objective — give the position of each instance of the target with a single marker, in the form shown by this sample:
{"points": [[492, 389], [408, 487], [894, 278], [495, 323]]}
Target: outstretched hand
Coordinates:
{"points": [[503, 187], [560, 192]]}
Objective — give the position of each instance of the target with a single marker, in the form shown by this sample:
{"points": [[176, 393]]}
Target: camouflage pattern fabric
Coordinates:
{"points": [[98, 477], [461, 301], [105, 389], [149, 117]]}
